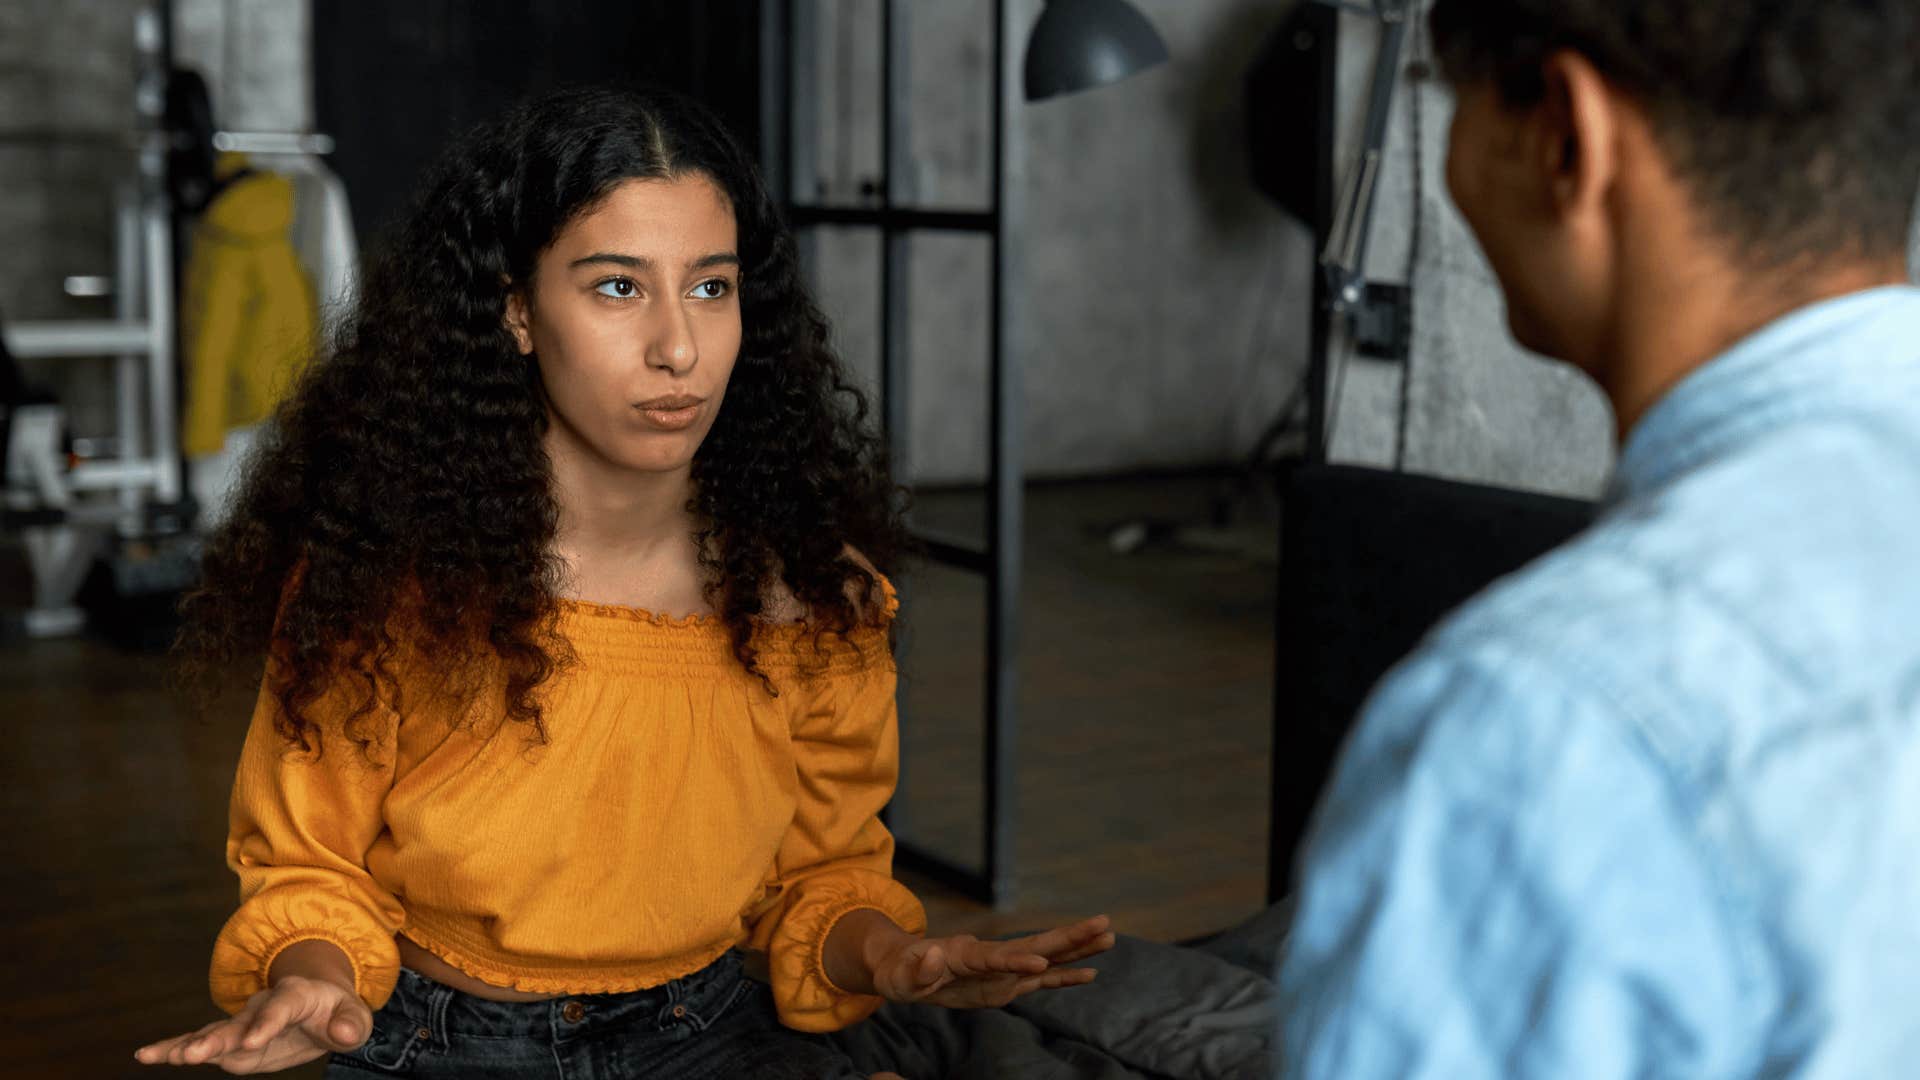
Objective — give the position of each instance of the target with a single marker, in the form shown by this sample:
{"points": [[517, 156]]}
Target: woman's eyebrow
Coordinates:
{"points": [[632, 262], [641, 262]]}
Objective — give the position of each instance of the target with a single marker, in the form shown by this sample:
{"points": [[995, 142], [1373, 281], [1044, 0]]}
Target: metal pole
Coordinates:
{"points": [[895, 242], [1283, 800], [894, 291], [803, 102], [1326, 54], [160, 365], [153, 36], [128, 295], [1005, 516], [776, 97]]}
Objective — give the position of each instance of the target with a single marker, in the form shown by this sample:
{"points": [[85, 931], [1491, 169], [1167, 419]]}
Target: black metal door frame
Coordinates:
{"points": [[999, 558]]}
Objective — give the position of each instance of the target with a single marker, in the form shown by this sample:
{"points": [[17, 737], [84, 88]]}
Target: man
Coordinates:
{"points": [[1651, 807]]}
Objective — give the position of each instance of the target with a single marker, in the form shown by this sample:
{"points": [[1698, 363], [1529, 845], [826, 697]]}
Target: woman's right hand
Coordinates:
{"points": [[296, 1021]]}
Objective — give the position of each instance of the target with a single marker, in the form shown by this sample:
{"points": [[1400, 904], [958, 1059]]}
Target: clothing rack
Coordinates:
{"points": [[142, 326], [61, 525], [64, 514], [274, 143]]}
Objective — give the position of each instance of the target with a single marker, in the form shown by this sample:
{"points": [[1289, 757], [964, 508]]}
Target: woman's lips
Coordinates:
{"points": [[671, 413]]}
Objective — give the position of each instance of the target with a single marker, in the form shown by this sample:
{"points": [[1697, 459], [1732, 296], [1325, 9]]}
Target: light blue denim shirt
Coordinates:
{"points": [[1651, 806]]}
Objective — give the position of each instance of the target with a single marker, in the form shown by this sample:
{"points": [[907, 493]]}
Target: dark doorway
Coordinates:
{"points": [[393, 82]]}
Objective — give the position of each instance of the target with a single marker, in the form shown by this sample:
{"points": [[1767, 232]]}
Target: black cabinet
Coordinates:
{"points": [[1370, 561]]}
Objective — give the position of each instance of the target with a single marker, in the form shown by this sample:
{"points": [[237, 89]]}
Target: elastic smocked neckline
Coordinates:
{"points": [[640, 615], [710, 621]]}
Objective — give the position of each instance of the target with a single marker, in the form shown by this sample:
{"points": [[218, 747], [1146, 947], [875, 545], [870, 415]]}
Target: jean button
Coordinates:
{"points": [[423, 1033], [679, 1012], [573, 1012]]}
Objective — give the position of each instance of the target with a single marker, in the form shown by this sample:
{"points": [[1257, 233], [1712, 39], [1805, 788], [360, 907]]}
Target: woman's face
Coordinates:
{"points": [[634, 319]]}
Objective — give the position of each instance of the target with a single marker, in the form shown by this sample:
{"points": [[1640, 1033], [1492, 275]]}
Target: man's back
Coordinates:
{"points": [[1653, 804]]}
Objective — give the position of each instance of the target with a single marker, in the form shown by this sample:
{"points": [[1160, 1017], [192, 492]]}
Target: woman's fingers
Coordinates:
{"points": [[218, 1044], [924, 967], [966, 972], [350, 1025], [184, 1053], [288, 1025], [155, 1052], [196, 1048], [1058, 942], [970, 957], [1056, 979], [928, 972], [933, 964], [1001, 989], [1079, 935], [280, 1009], [1094, 947], [1009, 958]]}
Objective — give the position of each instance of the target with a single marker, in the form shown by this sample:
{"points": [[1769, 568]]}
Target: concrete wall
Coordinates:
{"points": [[256, 56], [1164, 302], [66, 103], [66, 98], [1165, 299], [1477, 407]]}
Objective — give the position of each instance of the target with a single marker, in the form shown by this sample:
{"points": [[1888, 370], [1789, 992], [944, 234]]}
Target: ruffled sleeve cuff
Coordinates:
{"points": [[267, 924], [807, 1000]]}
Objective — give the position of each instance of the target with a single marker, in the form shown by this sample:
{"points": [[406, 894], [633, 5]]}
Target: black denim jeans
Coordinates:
{"points": [[715, 1023]]}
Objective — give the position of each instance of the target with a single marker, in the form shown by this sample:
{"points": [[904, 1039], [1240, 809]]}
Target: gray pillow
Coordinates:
{"points": [[1167, 1009]]}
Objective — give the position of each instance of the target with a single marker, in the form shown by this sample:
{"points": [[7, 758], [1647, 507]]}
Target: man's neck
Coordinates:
{"points": [[1677, 318]]}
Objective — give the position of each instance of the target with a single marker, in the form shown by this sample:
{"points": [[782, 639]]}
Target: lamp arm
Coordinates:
{"points": [[1344, 259]]}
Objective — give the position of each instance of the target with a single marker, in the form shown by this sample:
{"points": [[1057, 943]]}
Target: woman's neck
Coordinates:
{"points": [[610, 514]]}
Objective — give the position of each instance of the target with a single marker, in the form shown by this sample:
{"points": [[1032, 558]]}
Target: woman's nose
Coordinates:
{"points": [[673, 347]]}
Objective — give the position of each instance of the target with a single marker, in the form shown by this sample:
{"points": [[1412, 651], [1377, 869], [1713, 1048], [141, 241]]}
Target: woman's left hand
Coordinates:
{"points": [[963, 972]]}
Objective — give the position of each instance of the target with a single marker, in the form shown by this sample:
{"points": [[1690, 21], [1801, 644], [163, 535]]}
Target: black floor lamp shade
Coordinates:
{"points": [[1079, 44]]}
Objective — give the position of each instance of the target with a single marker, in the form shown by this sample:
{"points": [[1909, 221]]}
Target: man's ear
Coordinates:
{"points": [[516, 319], [1578, 128]]}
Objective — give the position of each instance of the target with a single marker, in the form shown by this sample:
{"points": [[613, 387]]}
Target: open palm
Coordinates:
{"points": [[297, 1021], [963, 972]]}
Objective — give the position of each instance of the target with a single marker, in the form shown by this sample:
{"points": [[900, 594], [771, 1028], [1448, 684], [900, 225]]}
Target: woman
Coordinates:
{"points": [[567, 560]]}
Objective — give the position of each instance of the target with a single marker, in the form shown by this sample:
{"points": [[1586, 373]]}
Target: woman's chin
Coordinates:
{"points": [[654, 463], [631, 448]]}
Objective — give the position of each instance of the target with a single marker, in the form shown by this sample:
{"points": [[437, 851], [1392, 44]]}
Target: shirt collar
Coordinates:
{"points": [[1840, 350]]}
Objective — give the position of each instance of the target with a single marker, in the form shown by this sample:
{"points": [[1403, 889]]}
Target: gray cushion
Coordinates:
{"points": [[1166, 1009]]}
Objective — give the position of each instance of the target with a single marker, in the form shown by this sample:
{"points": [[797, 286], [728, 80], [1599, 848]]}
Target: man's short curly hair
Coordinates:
{"points": [[1795, 123]]}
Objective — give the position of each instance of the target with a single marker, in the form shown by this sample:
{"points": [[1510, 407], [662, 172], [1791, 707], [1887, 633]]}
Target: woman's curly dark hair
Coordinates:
{"points": [[404, 483]]}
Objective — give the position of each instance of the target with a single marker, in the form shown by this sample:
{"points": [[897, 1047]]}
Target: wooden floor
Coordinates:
{"points": [[1142, 780]]}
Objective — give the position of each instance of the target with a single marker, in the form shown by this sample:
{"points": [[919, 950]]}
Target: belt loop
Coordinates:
{"points": [[437, 1005]]}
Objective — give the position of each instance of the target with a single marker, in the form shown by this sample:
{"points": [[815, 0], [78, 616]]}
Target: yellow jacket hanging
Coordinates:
{"points": [[249, 309]]}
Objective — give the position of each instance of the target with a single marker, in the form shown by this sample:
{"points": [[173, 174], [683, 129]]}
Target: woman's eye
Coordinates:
{"points": [[712, 290], [619, 287]]}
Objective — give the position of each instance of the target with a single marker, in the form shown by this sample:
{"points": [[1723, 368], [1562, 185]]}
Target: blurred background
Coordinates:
{"points": [[1184, 495]]}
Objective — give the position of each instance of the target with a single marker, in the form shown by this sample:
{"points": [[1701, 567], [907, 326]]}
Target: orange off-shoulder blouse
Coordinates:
{"points": [[678, 809]]}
